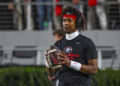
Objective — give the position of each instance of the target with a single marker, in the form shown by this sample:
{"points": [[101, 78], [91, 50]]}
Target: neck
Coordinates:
{"points": [[72, 35]]}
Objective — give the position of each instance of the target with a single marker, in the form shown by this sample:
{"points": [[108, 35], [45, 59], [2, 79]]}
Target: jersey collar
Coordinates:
{"points": [[72, 35]]}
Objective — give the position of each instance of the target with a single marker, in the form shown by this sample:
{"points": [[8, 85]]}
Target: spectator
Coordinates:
{"points": [[17, 12], [56, 17], [113, 15], [85, 8], [96, 12], [44, 14], [76, 4], [6, 16], [18, 15]]}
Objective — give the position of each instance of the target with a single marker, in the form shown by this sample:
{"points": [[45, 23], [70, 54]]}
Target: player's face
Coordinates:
{"points": [[69, 25], [57, 37]]}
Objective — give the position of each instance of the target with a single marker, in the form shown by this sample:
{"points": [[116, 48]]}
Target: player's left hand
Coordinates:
{"points": [[51, 78], [64, 59]]}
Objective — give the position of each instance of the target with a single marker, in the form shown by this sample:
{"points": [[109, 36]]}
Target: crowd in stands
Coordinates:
{"points": [[37, 15]]}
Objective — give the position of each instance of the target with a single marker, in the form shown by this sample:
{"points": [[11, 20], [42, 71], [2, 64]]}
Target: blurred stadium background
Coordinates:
{"points": [[24, 42]]}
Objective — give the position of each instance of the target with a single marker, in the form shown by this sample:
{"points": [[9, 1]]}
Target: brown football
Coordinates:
{"points": [[53, 57]]}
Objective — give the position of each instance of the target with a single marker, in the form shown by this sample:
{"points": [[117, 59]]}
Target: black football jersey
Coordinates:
{"points": [[80, 49]]}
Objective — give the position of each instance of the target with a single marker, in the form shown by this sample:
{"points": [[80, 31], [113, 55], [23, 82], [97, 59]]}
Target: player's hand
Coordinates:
{"points": [[50, 78], [64, 59], [46, 59]]}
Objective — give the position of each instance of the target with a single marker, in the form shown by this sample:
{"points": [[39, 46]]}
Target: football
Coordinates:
{"points": [[53, 57]]}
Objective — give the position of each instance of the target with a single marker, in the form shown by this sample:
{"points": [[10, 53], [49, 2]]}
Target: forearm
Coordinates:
{"points": [[88, 69]]}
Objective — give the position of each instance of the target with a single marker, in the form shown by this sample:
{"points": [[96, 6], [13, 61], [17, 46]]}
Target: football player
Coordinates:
{"points": [[78, 57]]}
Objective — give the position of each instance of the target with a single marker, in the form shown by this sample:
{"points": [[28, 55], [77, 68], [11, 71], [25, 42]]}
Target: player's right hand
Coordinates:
{"points": [[46, 59]]}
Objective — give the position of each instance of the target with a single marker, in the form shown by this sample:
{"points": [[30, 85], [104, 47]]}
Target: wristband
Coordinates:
{"points": [[75, 65]]}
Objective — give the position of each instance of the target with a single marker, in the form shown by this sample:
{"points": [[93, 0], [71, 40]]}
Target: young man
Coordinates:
{"points": [[78, 59], [58, 34]]}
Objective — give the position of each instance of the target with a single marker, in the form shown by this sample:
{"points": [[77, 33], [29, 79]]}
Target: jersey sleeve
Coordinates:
{"points": [[91, 52]]}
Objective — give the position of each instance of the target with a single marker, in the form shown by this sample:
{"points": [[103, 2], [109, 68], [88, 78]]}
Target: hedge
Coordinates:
{"points": [[23, 76], [106, 77], [36, 76]]}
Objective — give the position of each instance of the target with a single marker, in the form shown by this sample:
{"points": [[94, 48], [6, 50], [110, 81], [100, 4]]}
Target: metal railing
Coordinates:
{"points": [[112, 59], [111, 62]]}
